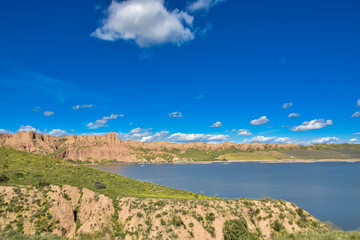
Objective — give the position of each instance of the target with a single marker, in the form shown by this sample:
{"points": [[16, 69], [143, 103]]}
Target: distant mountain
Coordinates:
{"points": [[110, 148]]}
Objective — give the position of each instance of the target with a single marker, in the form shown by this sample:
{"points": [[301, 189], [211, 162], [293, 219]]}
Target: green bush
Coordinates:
{"points": [[99, 185], [3, 178], [237, 229], [176, 221]]}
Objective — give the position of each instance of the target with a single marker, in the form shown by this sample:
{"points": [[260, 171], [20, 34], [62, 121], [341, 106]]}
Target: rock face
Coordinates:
{"points": [[109, 147], [70, 212]]}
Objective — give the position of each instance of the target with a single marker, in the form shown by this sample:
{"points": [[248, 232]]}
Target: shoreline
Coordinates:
{"points": [[235, 161]]}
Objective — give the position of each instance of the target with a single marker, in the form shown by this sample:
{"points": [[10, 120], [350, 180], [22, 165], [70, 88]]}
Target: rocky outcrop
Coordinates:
{"points": [[70, 212], [109, 147]]}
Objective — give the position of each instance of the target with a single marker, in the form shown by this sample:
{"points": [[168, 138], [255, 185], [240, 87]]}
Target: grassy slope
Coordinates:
{"points": [[29, 169]]}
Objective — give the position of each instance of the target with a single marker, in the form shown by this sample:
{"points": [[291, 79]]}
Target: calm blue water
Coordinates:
{"points": [[329, 191]]}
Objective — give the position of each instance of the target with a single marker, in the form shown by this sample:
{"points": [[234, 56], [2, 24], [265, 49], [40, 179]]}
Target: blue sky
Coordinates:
{"points": [[197, 70]]}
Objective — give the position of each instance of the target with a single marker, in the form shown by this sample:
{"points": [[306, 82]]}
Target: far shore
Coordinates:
{"points": [[233, 161]]}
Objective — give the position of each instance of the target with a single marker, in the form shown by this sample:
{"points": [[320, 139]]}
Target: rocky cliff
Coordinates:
{"points": [[73, 212], [109, 147]]}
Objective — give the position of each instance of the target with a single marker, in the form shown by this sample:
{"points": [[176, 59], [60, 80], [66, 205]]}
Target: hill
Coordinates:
{"points": [[42, 195], [110, 148]]}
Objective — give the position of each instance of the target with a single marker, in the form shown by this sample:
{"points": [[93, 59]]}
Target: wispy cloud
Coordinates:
{"points": [[175, 115], [216, 125], [3, 131], [77, 107], [48, 113], [145, 22], [199, 5], [357, 133], [260, 121], [294, 115], [313, 124], [358, 102], [202, 95], [325, 140], [353, 140], [263, 139], [103, 121], [356, 114], [287, 105], [45, 113]]}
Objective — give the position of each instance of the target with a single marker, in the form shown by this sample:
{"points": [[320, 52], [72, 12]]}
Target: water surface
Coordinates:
{"points": [[329, 191]]}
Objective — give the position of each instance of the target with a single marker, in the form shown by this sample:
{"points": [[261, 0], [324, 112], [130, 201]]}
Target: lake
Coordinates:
{"points": [[328, 191]]}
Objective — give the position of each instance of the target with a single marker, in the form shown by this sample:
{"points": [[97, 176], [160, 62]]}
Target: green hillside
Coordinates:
{"points": [[22, 168]]}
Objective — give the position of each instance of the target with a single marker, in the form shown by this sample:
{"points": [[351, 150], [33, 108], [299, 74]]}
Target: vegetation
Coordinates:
{"points": [[21, 168], [312, 235], [237, 229]]}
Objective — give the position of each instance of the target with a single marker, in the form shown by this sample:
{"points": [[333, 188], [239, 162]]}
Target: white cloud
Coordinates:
{"points": [[175, 114], [45, 113], [353, 140], [324, 140], [202, 5], [93, 134], [207, 138], [260, 121], [3, 131], [294, 115], [145, 135], [287, 105], [28, 128], [58, 133], [313, 124], [217, 124], [48, 113], [356, 114], [77, 107], [262, 139], [243, 132], [146, 22], [358, 102], [358, 133], [102, 122]]}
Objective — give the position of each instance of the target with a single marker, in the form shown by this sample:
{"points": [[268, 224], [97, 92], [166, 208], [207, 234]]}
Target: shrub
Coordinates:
{"points": [[176, 221], [99, 185], [277, 226], [210, 217], [237, 229], [3, 178]]}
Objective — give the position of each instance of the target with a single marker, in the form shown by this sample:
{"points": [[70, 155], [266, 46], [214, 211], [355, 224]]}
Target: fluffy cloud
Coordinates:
{"points": [[356, 114], [146, 22], [3, 131], [102, 122], [28, 128], [77, 107], [176, 114], [287, 105], [48, 113], [324, 140], [217, 124], [58, 133], [263, 139], [242, 132], [260, 121], [313, 124], [145, 135], [202, 5], [358, 102], [294, 115], [353, 140]]}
